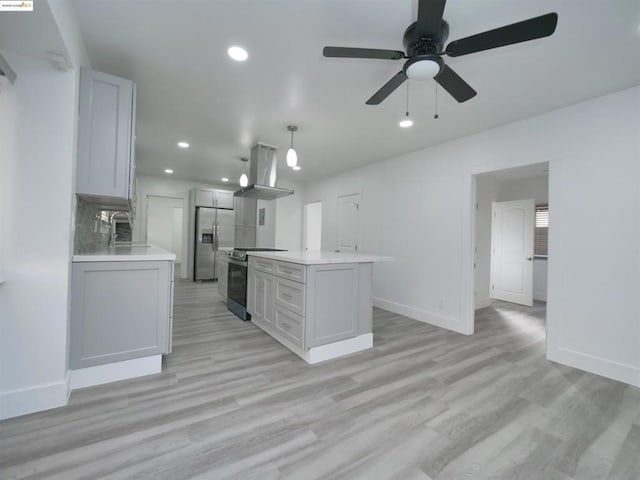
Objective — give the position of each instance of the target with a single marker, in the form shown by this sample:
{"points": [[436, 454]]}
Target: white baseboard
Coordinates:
{"points": [[600, 366], [482, 303], [425, 316], [112, 372], [34, 399], [338, 349]]}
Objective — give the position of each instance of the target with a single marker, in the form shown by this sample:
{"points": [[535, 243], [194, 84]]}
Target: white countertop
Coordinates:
{"points": [[125, 253], [320, 258]]}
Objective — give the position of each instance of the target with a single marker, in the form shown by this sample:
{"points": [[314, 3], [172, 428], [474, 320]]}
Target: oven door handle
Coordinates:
{"points": [[238, 262]]}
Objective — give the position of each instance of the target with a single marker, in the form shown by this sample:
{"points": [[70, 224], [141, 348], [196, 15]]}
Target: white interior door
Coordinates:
{"points": [[512, 251], [164, 223], [312, 231], [348, 223]]}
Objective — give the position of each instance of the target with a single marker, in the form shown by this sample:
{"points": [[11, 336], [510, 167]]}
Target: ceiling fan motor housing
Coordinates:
{"points": [[416, 45]]}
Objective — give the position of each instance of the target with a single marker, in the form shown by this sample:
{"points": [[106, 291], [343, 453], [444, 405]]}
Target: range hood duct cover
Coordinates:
{"points": [[263, 167]]}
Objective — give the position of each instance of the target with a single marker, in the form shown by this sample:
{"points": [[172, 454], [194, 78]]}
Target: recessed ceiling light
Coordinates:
{"points": [[168, 170], [224, 179], [239, 54], [297, 167], [183, 144], [406, 123]]}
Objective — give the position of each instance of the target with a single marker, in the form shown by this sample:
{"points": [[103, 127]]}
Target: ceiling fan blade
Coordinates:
{"points": [[430, 17], [455, 85], [537, 27], [346, 52], [387, 89]]}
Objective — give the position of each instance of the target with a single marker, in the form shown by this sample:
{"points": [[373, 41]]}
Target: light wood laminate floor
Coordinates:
{"points": [[424, 403]]}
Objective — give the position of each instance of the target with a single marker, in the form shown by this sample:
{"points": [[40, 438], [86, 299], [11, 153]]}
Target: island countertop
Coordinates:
{"points": [[320, 258], [125, 253]]}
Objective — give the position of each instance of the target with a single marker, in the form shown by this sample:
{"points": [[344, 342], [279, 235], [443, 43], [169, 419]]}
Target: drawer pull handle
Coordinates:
{"points": [[286, 326], [286, 295]]}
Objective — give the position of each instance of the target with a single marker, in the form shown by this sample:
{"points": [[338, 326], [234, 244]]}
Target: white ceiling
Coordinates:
{"points": [[188, 89]]}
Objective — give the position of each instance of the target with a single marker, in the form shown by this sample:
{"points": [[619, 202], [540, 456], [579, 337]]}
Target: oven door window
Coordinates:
{"points": [[237, 283]]}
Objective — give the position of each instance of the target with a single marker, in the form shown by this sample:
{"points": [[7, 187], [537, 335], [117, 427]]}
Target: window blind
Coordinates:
{"points": [[541, 230]]}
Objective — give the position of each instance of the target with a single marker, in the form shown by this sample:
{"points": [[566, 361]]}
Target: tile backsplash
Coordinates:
{"points": [[92, 227]]}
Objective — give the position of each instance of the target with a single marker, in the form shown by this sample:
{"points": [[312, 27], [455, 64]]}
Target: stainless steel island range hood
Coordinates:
{"points": [[262, 175]]}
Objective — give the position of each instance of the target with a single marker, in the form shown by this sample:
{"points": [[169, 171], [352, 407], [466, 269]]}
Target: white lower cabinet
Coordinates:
{"points": [[120, 310], [263, 305], [325, 304]]}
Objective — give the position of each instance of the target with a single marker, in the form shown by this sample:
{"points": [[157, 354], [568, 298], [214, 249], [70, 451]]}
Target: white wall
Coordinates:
{"points": [[38, 138], [288, 234], [487, 191], [418, 208], [490, 188]]}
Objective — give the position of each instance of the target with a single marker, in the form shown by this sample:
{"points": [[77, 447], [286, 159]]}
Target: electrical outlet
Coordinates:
{"points": [[441, 304]]}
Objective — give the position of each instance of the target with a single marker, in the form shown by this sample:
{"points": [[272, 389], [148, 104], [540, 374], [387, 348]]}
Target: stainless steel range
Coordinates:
{"points": [[237, 280]]}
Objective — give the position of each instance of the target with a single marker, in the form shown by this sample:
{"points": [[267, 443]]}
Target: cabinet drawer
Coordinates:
{"points": [[292, 271], [264, 265], [290, 295], [290, 326]]}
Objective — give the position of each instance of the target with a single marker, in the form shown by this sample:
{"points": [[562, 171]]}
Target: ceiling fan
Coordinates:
{"points": [[424, 41]]}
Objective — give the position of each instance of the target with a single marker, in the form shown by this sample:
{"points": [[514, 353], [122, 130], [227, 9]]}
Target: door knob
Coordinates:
{"points": [[529, 258]]}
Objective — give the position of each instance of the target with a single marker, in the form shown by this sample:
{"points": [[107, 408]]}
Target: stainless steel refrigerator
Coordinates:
{"points": [[214, 231]]}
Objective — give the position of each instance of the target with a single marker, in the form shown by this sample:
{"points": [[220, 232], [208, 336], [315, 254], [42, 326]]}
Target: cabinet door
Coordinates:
{"points": [[269, 299], [104, 135], [204, 198], [224, 199], [132, 155], [331, 303], [119, 311], [264, 300], [259, 299]]}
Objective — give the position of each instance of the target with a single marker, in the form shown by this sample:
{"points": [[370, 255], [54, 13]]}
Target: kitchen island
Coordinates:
{"points": [[317, 304], [121, 313]]}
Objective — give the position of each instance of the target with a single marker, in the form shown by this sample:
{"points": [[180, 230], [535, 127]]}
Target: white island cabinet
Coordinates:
{"points": [[319, 305], [121, 313]]}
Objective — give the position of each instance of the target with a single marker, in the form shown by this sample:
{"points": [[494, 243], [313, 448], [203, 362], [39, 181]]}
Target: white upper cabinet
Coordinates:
{"points": [[214, 198], [106, 140], [204, 198], [223, 199]]}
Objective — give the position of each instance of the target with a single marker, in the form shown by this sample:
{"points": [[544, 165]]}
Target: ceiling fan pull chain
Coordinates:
{"points": [[436, 115], [407, 110]]}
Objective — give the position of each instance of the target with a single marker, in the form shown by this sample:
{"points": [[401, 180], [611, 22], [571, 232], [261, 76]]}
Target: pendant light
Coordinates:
{"points": [[406, 122], [244, 180], [292, 156]]}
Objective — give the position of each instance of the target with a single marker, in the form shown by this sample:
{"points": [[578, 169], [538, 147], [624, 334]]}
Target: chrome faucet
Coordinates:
{"points": [[112, 226]]}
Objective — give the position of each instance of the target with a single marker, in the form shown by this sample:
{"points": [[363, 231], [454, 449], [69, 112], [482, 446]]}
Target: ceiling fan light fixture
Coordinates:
{"points": [[292, 156], [423, 67]]}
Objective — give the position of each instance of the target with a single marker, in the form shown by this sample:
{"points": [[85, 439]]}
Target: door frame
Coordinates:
{"points": [[304, 222], [358, 233], [468, 251], [144, 226]]}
